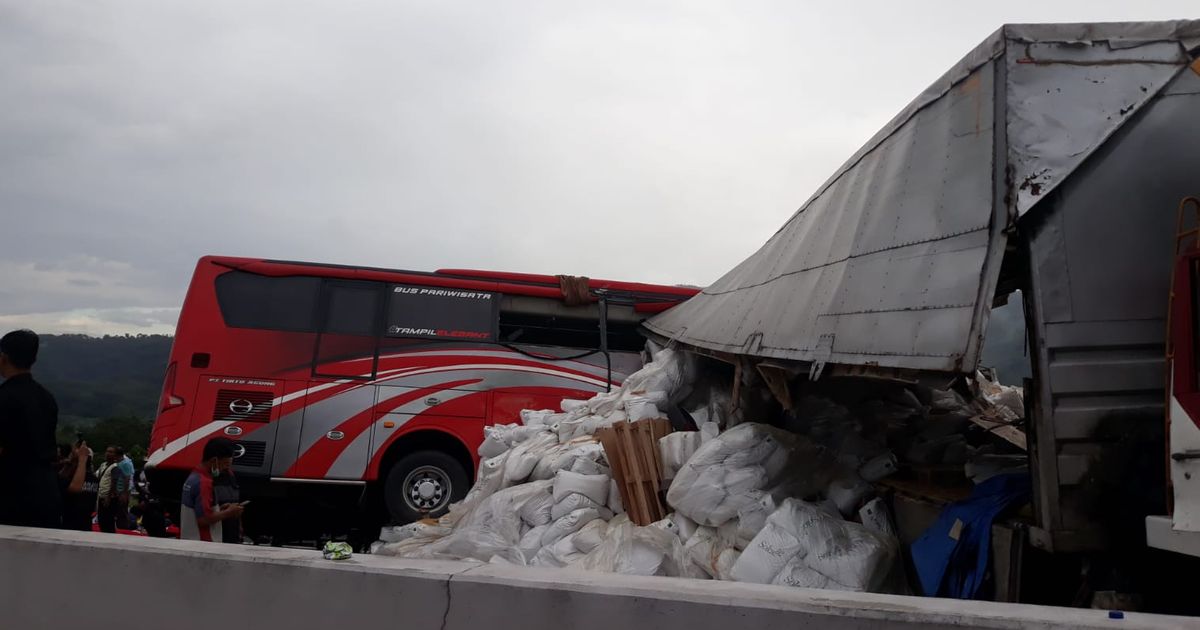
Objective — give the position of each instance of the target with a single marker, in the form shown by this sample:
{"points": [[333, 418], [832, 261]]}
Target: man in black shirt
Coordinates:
{"points": [[28, 421], [77, 486]]}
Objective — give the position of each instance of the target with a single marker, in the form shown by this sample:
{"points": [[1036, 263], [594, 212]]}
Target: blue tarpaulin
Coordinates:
{"points": [[951, 557]]}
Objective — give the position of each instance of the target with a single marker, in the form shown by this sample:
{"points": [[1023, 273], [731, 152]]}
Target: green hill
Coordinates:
{"points": [[107, 387]]}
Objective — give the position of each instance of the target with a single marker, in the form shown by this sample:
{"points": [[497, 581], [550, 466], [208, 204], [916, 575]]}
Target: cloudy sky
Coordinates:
{"points": [[655, 141]]}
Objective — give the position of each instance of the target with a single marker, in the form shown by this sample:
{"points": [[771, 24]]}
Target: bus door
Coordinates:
{"points": [[243, 410], [335, 434]]}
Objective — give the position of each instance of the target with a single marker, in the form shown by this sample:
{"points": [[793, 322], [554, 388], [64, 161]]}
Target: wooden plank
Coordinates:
{"points": [[650, 468], [636, 461], [616, 460], [636, 456]]}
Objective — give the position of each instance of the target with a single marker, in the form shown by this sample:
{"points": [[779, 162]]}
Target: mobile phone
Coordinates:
{"points": [[244, 503], [78, 438]]}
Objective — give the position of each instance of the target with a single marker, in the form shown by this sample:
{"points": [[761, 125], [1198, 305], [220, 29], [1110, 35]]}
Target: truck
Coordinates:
{"points": [[1050, 163]]}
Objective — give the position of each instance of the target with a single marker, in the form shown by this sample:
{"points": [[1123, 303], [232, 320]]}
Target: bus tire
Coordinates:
{"points": [[423, 484]]}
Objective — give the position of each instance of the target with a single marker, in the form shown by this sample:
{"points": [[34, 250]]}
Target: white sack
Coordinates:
{"points": [[614, 498], [753, 517], [531, 542], [719, 479], [570, 404], [536, 509], [590, 536], [572, 502], [725, 562], [676, 448], [531, 417], [684, 525], [804, 545], [633, 550], [641, 409], [559, 554], [848, 492], [878, 468], [594, 487], [568, 524]]}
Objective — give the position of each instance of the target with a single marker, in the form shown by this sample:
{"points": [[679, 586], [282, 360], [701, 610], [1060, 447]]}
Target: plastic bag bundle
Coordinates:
{"points": [[419, 529], [492, 528], [590, 536], [702, 549], [719, 479], [725, 562], [804, 545], [632, 550]]}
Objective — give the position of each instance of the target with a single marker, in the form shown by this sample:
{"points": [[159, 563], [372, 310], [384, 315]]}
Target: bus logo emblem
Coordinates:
{"points": [[238, 451], [241, 406]]}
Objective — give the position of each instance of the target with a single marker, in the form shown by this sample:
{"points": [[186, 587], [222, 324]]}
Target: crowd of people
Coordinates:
{"points": [[44, 484]]}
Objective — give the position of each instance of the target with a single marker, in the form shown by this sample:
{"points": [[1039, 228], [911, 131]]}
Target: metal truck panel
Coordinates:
{"points": [[893, 261], [885, 267], [1066, 98], [1100, 253]]}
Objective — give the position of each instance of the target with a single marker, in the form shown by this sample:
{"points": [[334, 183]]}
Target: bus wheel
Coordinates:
{"points": [[423, 485]]}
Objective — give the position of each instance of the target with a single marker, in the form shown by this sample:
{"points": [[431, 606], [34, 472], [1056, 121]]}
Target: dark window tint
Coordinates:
{"points": [[252, 301], [435, 313], [352, 309], [567, 332]]}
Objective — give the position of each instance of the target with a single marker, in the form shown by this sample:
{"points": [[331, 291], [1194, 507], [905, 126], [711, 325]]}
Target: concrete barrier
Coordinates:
{"points": [[57, 579]]}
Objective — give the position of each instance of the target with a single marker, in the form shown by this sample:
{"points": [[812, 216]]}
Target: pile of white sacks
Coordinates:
{"points": [[545, 497]]}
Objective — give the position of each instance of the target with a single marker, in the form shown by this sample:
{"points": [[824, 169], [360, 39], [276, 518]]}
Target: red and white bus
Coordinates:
{"points": [[342, 382]]}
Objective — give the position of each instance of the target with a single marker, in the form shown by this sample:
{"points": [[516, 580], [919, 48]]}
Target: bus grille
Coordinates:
{"points": [[242, 405], [254, 456]]}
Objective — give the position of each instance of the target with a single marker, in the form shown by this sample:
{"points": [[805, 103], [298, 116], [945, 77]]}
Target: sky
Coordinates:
{"points": [[649, 141]]}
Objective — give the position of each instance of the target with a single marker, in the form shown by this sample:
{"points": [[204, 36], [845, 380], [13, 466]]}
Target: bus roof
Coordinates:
{"points": [[646, 297]]}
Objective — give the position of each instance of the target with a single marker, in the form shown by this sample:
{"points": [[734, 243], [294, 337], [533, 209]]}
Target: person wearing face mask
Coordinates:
{"points": [[201, 516]]}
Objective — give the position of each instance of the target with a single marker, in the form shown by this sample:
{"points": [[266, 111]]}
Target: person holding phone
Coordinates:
{"points": [[77, 485], [202, 515]]}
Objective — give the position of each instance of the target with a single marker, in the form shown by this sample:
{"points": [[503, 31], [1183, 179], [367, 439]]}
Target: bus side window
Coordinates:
{"points": [[349, 337], [268, 303]]}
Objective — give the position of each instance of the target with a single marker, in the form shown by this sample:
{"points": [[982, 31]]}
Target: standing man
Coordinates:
{"points": [[110, 513], [127, 472], [201, 516], [28, 453]]}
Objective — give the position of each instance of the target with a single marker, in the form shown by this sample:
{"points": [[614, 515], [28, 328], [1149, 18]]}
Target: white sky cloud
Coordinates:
{"points": [[658, 142]]}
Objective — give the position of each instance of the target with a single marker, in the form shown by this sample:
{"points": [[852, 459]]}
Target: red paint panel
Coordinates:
{"points": [[508, 403]]}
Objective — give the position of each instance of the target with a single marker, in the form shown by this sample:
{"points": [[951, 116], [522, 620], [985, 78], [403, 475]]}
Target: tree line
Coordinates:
{"points": [[107, 388]]}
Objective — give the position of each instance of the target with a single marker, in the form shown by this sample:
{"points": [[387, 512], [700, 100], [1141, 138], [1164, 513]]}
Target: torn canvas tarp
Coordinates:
{"points": [[893, 262]]}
